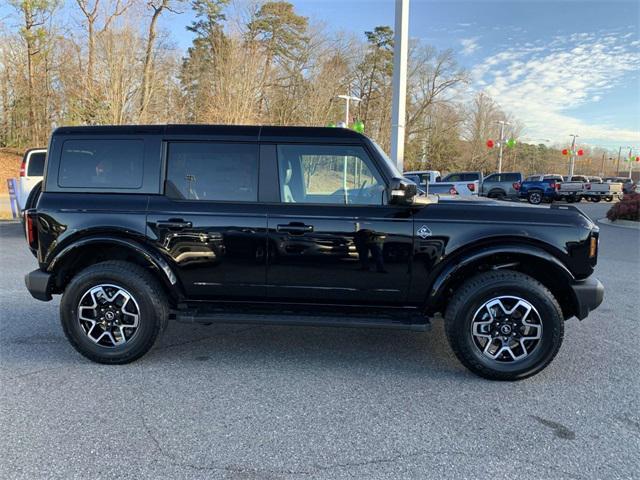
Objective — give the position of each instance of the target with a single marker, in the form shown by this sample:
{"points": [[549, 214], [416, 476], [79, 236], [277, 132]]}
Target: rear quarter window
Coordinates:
{"points": [[102, 164]]}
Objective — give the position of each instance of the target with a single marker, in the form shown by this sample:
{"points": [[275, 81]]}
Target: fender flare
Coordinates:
{"points": [[459, 262], [155, 260]]}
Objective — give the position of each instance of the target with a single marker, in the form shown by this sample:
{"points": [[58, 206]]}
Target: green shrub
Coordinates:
{"points": [[626, 209]]}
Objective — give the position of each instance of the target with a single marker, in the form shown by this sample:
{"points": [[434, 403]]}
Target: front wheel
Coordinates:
{"points": [[534, 198], [112, 312], [504, 325]]}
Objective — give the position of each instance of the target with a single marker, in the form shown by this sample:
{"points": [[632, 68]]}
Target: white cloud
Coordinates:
{"points": [[540, 85], [469, 45]]}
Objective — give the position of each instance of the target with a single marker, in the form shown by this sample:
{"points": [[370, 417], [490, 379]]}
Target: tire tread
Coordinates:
{"points": [[139, 275], [461, 296]]}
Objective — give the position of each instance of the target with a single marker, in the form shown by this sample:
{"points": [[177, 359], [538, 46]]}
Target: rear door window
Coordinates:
{"points": [[102, 164], [36, 164], [212, 171], [510, 177]]}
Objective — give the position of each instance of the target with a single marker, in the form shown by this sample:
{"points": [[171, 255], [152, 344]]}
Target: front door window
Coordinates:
{"points": [[328, 174]]}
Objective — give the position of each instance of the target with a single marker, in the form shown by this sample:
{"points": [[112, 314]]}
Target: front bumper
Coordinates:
{"points": [[39, 284], [588, 295]]}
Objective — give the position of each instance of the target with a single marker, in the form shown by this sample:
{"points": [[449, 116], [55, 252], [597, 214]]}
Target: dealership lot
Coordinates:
{"points": [[285, 402]]}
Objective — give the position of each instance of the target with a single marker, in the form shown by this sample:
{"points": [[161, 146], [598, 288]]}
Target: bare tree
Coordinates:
{"points": [[157, 7]]}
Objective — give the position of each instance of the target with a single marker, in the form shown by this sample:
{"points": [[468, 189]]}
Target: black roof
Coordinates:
{"points": [[244, 132]]}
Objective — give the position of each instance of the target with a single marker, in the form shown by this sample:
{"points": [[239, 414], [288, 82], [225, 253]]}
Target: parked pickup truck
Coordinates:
{"points": [[597, 190], [428, 182], [505, 185], [628, 185], [572, 188], [431, 181], [140, 225], [31, 171], [540, 188], [467, 183]]}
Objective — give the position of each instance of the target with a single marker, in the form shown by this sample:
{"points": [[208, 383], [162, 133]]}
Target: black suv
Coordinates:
{"points": [[137, 225]]}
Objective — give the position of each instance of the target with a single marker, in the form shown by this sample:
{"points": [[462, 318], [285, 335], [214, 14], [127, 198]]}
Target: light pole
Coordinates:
{"points": [[400, 54], [502, 124], [618, 163], [345, 166], [572, 161], [347, 99]]}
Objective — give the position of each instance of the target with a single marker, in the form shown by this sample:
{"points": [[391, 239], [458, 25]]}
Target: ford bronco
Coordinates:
{"points": [[139, 225]]}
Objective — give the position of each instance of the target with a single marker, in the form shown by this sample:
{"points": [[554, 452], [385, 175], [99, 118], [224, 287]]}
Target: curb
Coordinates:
{"points": [[620, 223]]}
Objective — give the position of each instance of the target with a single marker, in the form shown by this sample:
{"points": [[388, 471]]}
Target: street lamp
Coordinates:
{"points": [[347, 99], [502, 124], [572, 162]]}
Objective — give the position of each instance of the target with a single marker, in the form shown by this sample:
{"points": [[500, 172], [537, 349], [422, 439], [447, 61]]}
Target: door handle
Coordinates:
{"points": [[174, 224], [295, 228]]}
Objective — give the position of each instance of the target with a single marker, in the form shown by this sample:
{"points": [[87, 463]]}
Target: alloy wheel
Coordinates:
{"points": [[109, 315], [506, 329]]}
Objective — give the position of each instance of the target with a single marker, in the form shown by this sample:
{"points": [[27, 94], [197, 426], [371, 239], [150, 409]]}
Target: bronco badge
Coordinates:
{"points": [[423, 232]]}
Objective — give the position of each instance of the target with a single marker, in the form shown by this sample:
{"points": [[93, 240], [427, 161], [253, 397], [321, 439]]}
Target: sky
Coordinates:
{"points": [[560, 67]]}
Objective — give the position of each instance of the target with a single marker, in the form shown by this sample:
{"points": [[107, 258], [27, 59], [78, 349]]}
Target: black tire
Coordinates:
{"points": [[497, 194], [571, 199], [148, 299], [466, 305], [608, 198], [535, 197], [595, 199]]}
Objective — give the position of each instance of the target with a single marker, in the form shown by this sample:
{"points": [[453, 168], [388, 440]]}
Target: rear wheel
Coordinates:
{"points": [[535, 197], [504, 325], [608, 198], [595, 199], [113, 312]]}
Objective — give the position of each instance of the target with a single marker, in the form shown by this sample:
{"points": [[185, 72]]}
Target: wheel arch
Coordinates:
{"points": [[497, 191], [532, 260], [89, 251]]}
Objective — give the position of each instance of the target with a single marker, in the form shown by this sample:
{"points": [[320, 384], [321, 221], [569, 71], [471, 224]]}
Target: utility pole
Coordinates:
{"points": [[602, 166], [630, 161], [618, 164], [572, 162], [502, 124], [348, 98], [400, 53]]}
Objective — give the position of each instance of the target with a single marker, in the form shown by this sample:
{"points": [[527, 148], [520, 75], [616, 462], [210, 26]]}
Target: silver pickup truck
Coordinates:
{"points": [[431, 182]]}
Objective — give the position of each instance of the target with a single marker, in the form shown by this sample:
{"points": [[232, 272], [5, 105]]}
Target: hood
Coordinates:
{"points": [[481, 209]]}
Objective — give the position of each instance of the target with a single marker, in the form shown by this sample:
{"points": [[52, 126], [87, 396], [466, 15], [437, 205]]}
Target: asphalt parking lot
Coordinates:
{"points": [[288, 402]]}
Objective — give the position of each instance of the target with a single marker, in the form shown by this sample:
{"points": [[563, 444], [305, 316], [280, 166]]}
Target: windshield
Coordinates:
{"points": [[392, 166]]}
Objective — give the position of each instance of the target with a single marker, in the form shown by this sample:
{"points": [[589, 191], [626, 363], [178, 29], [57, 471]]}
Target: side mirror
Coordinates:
{"points": [[402, 191]]}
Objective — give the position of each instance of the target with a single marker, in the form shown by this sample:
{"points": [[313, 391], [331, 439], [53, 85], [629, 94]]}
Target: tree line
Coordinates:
{"points": [[85, 62]]}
